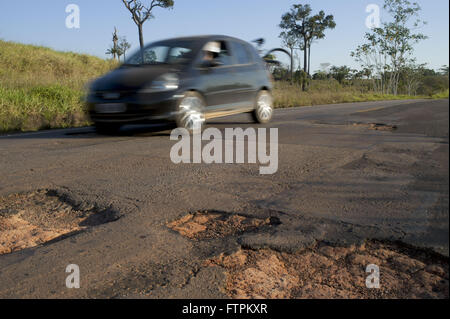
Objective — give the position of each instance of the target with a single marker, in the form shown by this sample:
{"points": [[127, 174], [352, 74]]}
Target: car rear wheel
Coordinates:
{"points": [[191, 111], [264, 107]]}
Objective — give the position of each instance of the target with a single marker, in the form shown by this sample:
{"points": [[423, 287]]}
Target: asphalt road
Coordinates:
{"points": [[337, 182]]}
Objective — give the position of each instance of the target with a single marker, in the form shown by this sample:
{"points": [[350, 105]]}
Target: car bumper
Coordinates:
{"points": [[139, 108]]}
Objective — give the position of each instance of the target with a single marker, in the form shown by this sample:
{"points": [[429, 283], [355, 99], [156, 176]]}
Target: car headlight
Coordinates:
{"points": [[166, 82]]}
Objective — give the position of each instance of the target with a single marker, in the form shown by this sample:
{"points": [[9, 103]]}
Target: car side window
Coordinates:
{"points": [[241, 53], [224, 55], [255, 55]]}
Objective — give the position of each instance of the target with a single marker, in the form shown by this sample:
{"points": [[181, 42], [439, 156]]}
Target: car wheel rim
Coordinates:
{"points": [[191, 113], [265, 108]]}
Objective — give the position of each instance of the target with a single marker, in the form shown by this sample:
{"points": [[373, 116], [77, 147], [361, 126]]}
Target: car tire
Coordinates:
{"points": [[107, 128], [191, 110], [263, 112]]}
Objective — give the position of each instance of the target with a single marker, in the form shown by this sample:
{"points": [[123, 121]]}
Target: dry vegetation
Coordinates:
{"points": [[329, 92]]}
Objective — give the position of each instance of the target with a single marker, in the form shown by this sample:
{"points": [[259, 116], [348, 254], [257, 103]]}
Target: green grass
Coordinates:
{"points": [[442, 95], [41, 88], [40, 107]]}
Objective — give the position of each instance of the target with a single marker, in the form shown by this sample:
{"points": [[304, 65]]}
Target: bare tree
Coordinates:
{"points": [[141, 13], [115, 39], [114, 49]]}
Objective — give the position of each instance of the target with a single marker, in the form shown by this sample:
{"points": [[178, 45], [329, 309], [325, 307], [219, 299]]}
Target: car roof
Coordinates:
{"points": [[205, 38]]}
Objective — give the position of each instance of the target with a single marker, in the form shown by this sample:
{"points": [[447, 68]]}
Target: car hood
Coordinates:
{"points": [[128, 78]]}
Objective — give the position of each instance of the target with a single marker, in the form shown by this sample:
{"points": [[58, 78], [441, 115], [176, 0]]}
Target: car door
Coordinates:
{"points": [[218, 82], [245, 69]]}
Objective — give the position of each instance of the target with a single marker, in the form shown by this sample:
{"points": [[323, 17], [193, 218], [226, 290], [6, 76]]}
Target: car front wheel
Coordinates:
{"points": [[191, 111], [264, 107]]}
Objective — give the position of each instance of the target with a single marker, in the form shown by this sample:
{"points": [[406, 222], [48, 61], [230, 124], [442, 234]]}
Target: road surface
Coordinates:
{"points": [[339, 180]]}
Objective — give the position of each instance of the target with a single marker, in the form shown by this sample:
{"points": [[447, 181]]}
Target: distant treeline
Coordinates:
{"points": [[413, 80]]}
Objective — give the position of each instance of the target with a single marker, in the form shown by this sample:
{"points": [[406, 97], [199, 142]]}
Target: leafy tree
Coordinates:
{"points": [[388, 48], [411, 77], [321, 75], [140, 13], [341, 73], [305, 27]]}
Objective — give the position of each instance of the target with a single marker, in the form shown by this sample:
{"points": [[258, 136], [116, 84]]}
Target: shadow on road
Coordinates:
{"points": [[90, 132]]}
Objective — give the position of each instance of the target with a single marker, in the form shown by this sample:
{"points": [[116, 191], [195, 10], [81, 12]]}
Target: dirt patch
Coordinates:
{"points": [[376, 126], [207, 225], [335, 272], [31, 219]]}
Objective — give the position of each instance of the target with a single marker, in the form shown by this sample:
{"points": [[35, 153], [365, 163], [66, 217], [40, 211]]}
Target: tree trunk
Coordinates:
{"points": [[305, 63], [141, 41], [309, 59], [305, 57], [141, 36], [292, 65]]}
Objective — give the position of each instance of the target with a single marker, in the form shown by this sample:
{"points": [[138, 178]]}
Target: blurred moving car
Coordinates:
{"points": [[183, 80]]}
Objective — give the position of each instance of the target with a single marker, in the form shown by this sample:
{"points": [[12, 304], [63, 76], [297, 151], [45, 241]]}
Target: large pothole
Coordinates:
{"points": [[326, 271], [215, 224], [377, 126], [32, 219]]}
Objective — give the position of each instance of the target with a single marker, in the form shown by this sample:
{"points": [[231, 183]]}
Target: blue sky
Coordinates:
{"points": [[42, 22]]}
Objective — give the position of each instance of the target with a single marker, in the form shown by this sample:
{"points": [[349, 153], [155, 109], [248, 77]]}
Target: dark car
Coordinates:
{"points": [[183, 80]]}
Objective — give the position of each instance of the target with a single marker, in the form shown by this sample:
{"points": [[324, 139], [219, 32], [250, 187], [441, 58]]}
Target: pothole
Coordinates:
{"points": [[215, 224], [31, 219], [391, 163], [370, 126], [325, 271], [376, 126]]}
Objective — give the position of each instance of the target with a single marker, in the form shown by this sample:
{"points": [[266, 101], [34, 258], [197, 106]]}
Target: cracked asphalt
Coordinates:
{"points": [[339, 181]]}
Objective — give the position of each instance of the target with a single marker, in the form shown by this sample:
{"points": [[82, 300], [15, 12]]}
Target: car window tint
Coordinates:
{"points": [[178, 55], [241, 53], [155, 55], [255, 55]]}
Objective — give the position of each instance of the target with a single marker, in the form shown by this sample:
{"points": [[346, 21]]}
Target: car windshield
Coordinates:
{"points": [[169, 52]]}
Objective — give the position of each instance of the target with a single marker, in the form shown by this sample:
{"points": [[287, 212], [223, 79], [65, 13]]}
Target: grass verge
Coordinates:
{"points": [[331, 92]]}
